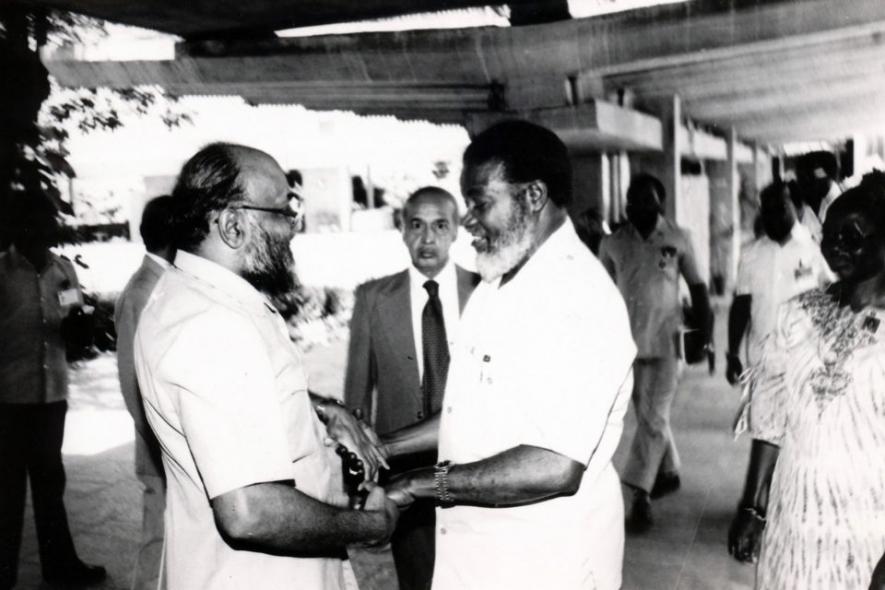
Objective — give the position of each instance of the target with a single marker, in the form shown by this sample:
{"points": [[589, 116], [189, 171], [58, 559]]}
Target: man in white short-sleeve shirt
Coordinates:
{"points": [[782, 263], [538, 385], [249, 475]]}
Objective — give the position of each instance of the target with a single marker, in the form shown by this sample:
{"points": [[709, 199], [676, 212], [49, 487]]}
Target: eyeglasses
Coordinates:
{"points": [[292, 211]]}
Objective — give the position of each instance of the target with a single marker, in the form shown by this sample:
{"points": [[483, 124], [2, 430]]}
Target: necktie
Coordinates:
{"points": [[436, 350]]}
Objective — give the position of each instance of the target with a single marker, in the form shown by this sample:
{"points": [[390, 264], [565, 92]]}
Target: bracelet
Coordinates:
{"points": [[755, 514], [441, 483]]}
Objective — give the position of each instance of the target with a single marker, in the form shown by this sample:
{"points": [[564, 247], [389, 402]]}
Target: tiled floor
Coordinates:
{"points": [[685, 550]]}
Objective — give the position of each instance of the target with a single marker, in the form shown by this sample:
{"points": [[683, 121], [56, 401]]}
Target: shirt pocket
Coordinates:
{"points": [[668, 261]]}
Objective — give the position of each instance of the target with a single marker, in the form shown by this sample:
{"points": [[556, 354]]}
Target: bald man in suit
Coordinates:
{"points": [[398, 354]]}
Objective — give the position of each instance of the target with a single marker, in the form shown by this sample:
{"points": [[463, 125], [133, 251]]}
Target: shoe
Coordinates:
{"points": [[77, 574], [640, 519], [665, 483]]}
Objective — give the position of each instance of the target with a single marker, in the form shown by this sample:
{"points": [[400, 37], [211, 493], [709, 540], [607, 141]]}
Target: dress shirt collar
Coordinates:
{"points": [[158, 259], [446, 276], [219, 277]]}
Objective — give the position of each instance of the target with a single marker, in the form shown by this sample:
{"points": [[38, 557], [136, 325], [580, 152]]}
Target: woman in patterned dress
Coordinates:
{"points": [[814, 498]]}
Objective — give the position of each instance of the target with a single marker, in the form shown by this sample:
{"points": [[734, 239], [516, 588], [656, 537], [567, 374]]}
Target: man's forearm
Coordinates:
{"points": [[417, 438], [738, 320], [277, 518], [763, 458], [520, 475], [700, 304]]}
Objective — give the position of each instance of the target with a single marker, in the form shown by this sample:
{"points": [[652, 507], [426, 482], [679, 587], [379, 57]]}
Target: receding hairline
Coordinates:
{"points": [[253, 165], [433, 194]]}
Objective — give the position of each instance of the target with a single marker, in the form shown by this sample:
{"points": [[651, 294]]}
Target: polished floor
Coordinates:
{"points": [[685, 550]]}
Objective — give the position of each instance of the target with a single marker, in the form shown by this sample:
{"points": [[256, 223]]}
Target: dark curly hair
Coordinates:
{"points": [[643, 182], [528, 152]]}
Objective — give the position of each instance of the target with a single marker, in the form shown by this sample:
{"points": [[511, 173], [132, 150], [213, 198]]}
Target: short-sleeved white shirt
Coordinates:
{"points": [[226, 394], [647, 271], [544, 360], [772, 274]]}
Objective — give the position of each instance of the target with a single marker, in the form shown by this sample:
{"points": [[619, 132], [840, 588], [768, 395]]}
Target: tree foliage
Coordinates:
{"points": [[37, 115]]}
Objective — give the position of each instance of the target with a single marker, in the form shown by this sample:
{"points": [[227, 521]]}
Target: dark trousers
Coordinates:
{"points": [[414, 540], [412, 546], [30, 447]]}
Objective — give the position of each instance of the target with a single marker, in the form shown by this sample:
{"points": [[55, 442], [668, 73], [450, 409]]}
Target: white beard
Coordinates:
{"points": [[508, 249], [492, 265]]}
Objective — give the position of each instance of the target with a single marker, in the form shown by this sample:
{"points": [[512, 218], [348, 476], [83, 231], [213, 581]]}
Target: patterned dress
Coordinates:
{"points": [[819, 394]]}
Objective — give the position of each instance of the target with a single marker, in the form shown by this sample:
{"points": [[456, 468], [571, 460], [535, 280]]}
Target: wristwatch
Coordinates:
{"points": [[441, 481]]}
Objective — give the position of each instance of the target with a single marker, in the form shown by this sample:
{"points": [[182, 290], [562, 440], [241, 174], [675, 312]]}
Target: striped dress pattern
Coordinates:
{"points": [[818, 392]]}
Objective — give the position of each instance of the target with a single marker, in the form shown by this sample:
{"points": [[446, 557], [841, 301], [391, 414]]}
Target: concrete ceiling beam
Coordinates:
{"points": [[742, 75], [592, 126]]}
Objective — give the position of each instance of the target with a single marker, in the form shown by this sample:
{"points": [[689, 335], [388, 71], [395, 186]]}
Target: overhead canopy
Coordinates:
{"points": [[776, 71], [206, 19]]}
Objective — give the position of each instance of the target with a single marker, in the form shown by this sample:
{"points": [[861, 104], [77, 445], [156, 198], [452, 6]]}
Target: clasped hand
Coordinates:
{"points": [[733, 369], [399, 490], [359, 438]]}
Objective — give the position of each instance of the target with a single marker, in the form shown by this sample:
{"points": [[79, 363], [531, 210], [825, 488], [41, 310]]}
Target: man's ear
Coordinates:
{"points": [[232, 228], [536, 193]]}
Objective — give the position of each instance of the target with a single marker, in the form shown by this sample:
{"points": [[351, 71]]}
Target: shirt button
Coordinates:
{"points": [[45, 366], [442, 531], [449, 410], [420, 415]]}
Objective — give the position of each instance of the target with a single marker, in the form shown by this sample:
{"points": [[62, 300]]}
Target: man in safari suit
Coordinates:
{"points": [[395, 370]]}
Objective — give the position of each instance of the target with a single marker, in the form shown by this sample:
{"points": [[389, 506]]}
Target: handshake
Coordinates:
{"points": [[358, 487], [362, 456]]}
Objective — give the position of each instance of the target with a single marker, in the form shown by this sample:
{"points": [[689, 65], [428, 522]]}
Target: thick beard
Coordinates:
{"points": [[510, 247], [269, 265]]}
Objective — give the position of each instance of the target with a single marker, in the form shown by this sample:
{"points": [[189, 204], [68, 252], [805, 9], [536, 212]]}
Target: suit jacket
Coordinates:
{"points": [[382, 366], [127, 310]]}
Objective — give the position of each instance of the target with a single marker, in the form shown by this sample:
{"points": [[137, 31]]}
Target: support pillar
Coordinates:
{"points": [[725, 216], [733, 181], [666, 165], [671, 174], [591, 183]]}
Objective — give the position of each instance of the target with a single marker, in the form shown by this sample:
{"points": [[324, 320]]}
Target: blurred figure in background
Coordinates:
{"points": [[38, 290], [817, 174], [646, 258], [782, 263], [156, 232], [591, 228]]}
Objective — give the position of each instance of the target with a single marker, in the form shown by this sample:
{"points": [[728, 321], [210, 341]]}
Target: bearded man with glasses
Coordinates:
{"points": [[250, 495]]}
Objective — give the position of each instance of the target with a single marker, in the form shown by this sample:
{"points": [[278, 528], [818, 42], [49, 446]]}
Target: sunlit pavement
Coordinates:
{"points": [[685, 549]]}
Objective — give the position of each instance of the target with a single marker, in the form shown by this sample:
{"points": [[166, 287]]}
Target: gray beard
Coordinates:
{"points": [[270, 267], [509, 248]]}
